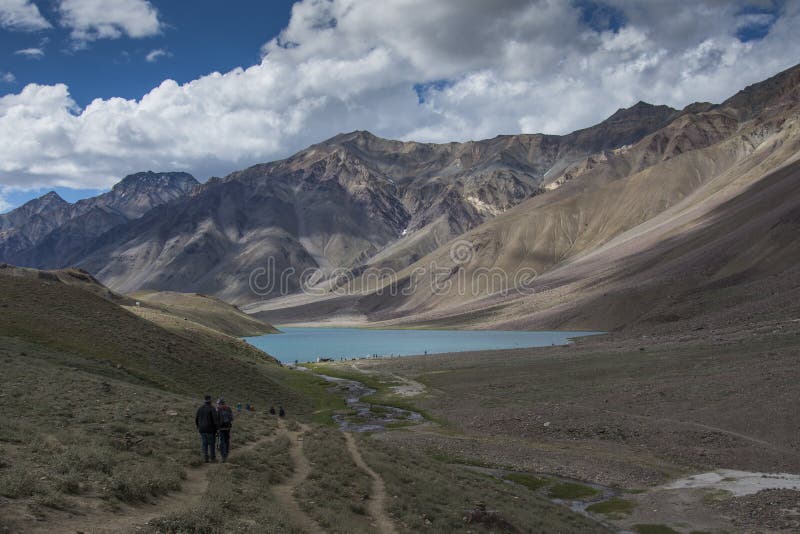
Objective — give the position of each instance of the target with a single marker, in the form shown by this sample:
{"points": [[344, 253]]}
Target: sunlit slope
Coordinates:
{"points": [[66, 318], [735, 231], [606, 220], [204, 310]]}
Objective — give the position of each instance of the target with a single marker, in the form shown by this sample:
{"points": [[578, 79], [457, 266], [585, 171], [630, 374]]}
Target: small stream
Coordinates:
{"points": [[578, 506], [363, 416], [367, 417]]}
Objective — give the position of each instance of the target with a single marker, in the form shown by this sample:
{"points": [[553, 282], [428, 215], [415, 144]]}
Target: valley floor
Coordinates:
{"points": [[629, 411], [601, 435], [91, 451]]}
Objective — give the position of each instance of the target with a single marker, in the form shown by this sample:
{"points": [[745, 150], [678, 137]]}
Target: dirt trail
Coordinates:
{"points": [[131, 518], [285, 492], [376, 505]]}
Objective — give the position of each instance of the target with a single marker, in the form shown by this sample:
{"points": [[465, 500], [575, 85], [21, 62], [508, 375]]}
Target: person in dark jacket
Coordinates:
{"points": [[281, 412], [207, 422], [225, 423]]}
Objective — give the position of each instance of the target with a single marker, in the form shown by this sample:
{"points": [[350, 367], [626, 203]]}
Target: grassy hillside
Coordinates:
{"points": [[100, 433], [103, 401], [66, 318], [204, 310]]}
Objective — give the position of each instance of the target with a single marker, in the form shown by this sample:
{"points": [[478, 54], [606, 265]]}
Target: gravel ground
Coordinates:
{"points": [[633, 410], [765, 511]]}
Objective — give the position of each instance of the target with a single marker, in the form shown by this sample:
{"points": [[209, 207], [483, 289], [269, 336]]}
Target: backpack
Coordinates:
{"points": [[225, 417]]}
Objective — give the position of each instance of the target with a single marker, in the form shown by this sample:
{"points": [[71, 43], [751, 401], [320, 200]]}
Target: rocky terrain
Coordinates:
{"points": [[633, 411], [689, 219], [648, 216], [349, 202], [50, 232]]}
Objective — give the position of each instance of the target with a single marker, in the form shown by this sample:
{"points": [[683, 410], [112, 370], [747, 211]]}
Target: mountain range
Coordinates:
{"points": [[49, 230], [334, 205], [627, 221]]}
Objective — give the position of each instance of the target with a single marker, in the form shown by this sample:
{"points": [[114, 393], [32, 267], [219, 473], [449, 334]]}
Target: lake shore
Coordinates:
{"points": [[299, 344]]}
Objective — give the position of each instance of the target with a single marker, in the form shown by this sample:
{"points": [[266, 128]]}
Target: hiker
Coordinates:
{"points": [[225, 423], [207, 423], [272, 410], [281, 413], [239, 407]]}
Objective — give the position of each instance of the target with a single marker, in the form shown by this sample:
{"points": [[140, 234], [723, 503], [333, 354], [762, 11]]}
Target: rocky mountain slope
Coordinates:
{"points": [[50, 232], [25, 226], [647, 232], [343, 203], [580, 216]]}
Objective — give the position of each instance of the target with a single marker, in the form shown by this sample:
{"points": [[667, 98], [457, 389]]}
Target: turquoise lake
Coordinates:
{"points": [[306, 344]]}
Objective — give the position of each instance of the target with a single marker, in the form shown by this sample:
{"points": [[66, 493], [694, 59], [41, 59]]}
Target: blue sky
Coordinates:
{"points": [[197, 37], [86, 96]]}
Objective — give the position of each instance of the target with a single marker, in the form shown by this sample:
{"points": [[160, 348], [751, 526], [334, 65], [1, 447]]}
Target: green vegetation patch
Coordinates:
{"points": [[713, 496], [382, 384], [529, 481], [571, 491], [112, 342], [654, 529], [400, 424], [614, 507], [314, 391]]}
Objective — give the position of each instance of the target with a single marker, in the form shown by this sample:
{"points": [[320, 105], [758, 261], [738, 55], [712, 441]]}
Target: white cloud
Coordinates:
{"points": [[31, 53], [89, 20], [484, 68], [7, 77], [155, 55], [22, 15]]}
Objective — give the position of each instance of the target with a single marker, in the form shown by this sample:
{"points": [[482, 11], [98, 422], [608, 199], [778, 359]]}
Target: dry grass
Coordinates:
{"points": [[82, 434], [336, 491], [95, 435], [238, 497], [67, 319], [104, 401], [427, 494], [204, 310]]}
